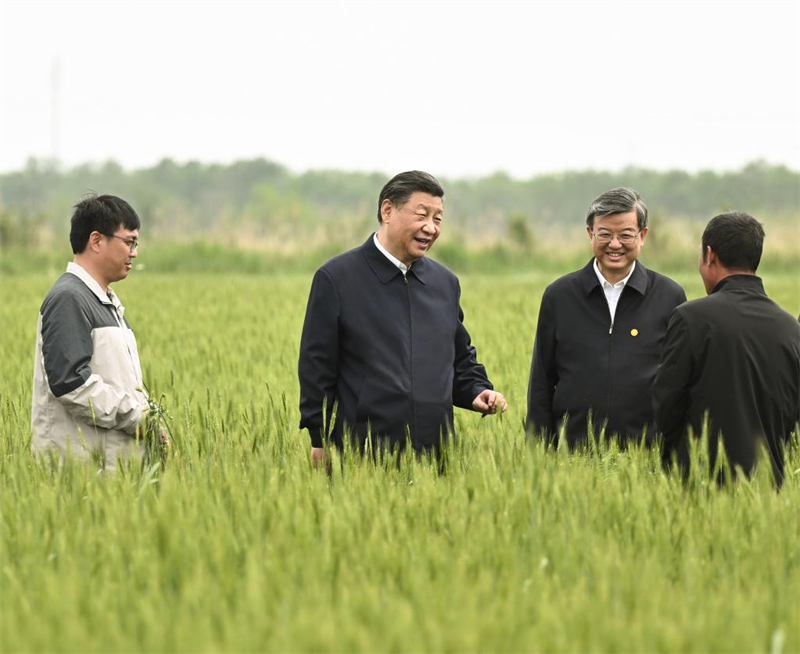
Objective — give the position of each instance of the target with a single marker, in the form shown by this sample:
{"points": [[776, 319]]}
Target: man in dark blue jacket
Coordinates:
{"points": [[384, 346], [599, 333], [731, 360]]}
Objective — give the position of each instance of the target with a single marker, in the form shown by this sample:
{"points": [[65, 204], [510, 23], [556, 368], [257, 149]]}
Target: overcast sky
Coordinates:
{"points": [[456, 88]]}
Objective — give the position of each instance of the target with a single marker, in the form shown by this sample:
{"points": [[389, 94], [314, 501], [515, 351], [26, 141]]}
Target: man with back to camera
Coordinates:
{"points": [[599, 333], [87, 387], [384, 339], [733, 356]]}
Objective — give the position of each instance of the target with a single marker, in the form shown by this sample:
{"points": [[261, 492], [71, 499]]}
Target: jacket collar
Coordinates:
{"points": [[589, 281], [740, 282], [81, 273], [384, 269]]}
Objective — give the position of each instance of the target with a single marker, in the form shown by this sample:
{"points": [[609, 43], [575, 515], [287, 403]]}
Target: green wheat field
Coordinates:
{"points": [[239, 545]]}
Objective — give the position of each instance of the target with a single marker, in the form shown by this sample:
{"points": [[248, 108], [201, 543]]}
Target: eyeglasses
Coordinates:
{"points": [[626, 238], [132, 243]]}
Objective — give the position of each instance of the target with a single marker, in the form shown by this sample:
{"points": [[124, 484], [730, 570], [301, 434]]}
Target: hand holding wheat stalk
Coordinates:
{"points": [[156, 432]]}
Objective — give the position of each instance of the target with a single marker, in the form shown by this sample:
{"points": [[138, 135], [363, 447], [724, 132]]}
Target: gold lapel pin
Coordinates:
{"points": [[634, 332]]}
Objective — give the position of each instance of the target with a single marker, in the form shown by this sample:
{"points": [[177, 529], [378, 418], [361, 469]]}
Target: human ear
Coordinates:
{"points": [[94, 241], [386, 210]]}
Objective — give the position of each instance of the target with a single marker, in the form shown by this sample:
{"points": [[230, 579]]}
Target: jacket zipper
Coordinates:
{"points": [[610, 353], [125, 336], [411, 357]]}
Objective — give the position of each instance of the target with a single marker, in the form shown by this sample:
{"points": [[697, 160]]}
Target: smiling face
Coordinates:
{"points": [[615, 258], [409, 231]]}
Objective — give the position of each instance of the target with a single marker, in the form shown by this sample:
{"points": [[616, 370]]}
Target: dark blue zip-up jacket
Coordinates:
{"points": [[389, 351], [583, 363]]}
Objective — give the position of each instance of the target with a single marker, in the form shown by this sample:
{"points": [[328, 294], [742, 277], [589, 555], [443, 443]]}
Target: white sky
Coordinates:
{"points": [[456, 88]]}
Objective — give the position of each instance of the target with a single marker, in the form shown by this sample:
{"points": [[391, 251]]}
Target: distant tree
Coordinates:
{"points": [[192, 199]]}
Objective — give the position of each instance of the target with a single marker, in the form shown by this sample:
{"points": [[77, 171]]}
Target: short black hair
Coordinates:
{"points": [[99, 213], [618, 200], [736, 238], [402, 186]]}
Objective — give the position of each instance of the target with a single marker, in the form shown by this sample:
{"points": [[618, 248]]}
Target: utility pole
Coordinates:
{"points": [[55, 113]]}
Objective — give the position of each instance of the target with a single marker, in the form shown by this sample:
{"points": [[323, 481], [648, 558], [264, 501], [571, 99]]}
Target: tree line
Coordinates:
{"points": [[262, 201]]}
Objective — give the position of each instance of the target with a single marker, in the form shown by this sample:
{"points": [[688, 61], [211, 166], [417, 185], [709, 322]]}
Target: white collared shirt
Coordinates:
{"points": [[612, 291], [107, 297], [403, 267]]}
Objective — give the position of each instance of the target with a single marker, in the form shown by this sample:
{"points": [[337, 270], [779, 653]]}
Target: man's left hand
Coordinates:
{"points": [[489, 401]]}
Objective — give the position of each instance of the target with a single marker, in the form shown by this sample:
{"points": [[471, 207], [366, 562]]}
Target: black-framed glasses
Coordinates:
{"points": [[626, 238], [132, 243]]}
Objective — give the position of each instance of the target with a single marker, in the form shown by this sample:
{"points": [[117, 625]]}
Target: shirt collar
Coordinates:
{"points": [[606, 284], [106, 298], [384, 269], [400, 265], [740, 282]]}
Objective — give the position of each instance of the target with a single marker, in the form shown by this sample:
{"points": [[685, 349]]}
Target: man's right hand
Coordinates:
{"points": [[317, 456], [320, 459]]}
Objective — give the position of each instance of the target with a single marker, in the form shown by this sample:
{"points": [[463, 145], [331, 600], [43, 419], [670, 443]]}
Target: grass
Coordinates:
{"points": [[673, 243], [240, 546]]}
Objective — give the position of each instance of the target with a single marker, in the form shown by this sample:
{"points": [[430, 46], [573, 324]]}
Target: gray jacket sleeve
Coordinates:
{"points": [[67, 350], [67, 345]]}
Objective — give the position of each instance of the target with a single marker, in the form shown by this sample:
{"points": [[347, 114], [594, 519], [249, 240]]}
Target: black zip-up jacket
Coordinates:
{"points": [[736, 355], [583, 363], [390, 351]]}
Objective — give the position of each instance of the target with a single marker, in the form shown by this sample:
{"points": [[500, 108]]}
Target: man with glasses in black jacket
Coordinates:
{"points": [[599, 333]]}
